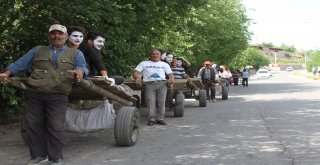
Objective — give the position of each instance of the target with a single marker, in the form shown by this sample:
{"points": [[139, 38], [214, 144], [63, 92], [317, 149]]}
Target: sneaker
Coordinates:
{"points": [[151, 123], [37, 160], [57, 162], [161, 122], [213, 100]]}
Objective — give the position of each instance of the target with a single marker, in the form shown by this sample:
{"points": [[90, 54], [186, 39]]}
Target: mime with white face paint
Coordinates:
{"points": [[169, 58], [75, 36], [92, 52]]}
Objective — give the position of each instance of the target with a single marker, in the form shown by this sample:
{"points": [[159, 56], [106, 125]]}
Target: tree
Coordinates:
{"points": [[268, 44], [313, 59], [199, 30], [288, 48], [251, 57]]}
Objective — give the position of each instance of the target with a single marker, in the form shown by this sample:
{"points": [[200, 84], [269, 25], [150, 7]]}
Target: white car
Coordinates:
{"points": [[289, 68], [263, 73]]}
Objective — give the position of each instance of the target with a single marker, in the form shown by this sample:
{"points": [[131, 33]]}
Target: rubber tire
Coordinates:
{"points": [[202, 98], [225, 93], [127, 125], [169, 99], [196, 97], [136, 102], [179, 105], [23, 129]]}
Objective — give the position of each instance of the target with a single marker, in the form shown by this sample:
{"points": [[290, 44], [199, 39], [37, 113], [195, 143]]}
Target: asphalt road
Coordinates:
{"points": [[274, 121]]}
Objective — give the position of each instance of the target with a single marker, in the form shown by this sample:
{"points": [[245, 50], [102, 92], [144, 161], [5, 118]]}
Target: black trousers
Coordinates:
{"points": [[245, 82], [45, 117], [235, 81], [209, 86]]}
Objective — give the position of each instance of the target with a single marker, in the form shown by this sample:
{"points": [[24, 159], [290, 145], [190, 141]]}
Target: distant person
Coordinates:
{"points": [[225, 73], [314, 71], [208, 76], [178, 70], [236, 77], [245, 77]]}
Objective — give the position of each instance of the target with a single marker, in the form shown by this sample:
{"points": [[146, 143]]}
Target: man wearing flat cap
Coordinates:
{"points": [[47, 95]]}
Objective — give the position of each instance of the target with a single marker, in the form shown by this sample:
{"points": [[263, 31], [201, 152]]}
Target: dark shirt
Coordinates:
{"points": [[93, 58]]}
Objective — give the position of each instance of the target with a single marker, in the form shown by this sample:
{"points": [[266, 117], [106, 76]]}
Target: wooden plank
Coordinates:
{"points": [[89, 85], [178, 85], [197, 82], [131, 84], [97, 89]]}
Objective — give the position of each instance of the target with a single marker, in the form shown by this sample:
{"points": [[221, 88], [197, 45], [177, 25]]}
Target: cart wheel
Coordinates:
{"points": [[23, 129], [225, 92], [169, 99], [127, 125], [202, 98], [136, 102], [179, 105], [195, 94]]}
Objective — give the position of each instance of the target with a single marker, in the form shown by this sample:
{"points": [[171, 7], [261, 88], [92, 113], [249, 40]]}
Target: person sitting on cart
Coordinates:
{"points": [[208, 76], [225, 73], [155, 85], [92, 52], [178, 70]]}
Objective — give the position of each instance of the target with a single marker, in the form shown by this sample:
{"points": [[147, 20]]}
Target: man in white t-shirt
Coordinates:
{"points": [[154, 73]]}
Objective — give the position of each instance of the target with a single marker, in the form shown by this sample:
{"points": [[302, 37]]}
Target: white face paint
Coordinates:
{"points": [[98, 43], [76, 38], [163, 56], [179, 63], [169, 58]]}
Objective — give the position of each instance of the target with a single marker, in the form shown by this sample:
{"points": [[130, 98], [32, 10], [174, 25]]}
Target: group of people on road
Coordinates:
{"points": [[46, 98], [210, 75]]}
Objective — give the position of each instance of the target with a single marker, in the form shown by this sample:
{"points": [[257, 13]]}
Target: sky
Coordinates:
{"points": [[290, 22]]}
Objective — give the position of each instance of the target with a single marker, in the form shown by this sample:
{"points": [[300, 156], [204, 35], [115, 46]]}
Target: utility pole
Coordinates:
{"points": [[305, 59]]}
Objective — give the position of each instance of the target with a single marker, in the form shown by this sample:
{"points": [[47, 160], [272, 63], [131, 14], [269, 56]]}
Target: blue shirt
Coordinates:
{"points": [[245, 74], [25, 62]]}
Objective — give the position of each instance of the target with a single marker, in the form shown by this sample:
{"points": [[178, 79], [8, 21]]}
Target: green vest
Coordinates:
{"points": [[48, 77]]}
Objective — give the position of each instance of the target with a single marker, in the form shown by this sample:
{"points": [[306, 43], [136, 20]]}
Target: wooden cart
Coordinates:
{"points": [[127, 122], [176, 94], [196, 90]]}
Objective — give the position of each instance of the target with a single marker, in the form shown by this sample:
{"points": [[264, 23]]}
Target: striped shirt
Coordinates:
{"points": [[178, 72]]}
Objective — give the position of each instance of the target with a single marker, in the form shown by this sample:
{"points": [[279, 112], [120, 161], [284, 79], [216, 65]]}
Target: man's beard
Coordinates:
{"points": [[56, 41]]}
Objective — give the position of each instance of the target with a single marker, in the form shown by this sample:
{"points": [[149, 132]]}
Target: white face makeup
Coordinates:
{"points": [[98, 43], [76, 38], [169, 58], [179, 63], [163, 56]]}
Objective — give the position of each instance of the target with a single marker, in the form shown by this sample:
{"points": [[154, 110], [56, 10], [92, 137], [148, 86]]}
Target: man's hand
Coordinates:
{"points": [[138, 82], [170, 81], [78, 74], [4, 76]]}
